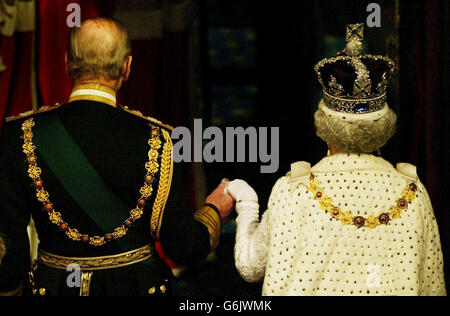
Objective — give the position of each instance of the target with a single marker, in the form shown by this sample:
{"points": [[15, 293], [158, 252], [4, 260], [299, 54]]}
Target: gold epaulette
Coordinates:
{"points": [[148, 118], [30, 113]]}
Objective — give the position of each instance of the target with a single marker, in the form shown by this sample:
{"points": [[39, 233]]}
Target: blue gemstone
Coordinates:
{"points": [[361, 108]]}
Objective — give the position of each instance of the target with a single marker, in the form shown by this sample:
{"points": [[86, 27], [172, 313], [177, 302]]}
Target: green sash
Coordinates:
{"points": [[79, 177]]}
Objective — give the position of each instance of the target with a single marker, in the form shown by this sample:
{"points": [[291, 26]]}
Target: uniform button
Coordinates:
{"points": [[152, 291], [42, 292], [163, 289]]}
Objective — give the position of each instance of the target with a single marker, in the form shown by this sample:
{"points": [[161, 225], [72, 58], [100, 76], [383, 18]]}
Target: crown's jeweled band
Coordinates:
{"points": [[354, 106]]}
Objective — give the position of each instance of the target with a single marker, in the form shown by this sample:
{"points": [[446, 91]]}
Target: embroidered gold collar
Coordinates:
{"points": [[94, 92]]}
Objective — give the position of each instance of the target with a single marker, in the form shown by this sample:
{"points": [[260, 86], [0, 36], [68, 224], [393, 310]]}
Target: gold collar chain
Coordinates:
{"points": [[34, 172], [372, 221]]}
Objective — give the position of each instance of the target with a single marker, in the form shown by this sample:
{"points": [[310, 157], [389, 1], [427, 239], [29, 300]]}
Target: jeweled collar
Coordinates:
{"points": [[93, 92], [351, 162]]}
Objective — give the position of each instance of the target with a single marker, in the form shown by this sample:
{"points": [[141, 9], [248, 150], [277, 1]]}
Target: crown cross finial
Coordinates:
{"points": [[355, 36], [355, 32]]}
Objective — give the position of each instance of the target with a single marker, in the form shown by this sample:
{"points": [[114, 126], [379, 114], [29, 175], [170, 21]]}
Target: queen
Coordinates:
{"points": [[353, 224]]}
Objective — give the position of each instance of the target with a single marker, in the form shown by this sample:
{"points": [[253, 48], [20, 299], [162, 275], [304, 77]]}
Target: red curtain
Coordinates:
{"points": [[55, 85], [16, 51]]}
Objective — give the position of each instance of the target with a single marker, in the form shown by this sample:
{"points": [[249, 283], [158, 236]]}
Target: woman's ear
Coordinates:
{"points": [[127, 68]]}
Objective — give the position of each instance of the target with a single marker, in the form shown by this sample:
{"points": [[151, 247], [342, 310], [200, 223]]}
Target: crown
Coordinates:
{"points": [[353, 82]]}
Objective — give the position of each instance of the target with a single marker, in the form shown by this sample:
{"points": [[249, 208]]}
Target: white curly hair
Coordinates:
{"points": [[355, 133]]}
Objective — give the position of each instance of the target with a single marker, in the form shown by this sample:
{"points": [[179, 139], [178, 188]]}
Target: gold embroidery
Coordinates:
{"points": [[34, 172], [26, 114], [372, 221], [96, 263], [165, 182], [209, 217], [85, 288]]}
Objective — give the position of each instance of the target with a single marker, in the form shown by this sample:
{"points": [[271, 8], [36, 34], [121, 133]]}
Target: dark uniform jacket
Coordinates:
{"points": [[116, 144]]}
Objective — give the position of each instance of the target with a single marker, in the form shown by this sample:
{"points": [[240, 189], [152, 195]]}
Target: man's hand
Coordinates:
{"points": [[222, 200]]}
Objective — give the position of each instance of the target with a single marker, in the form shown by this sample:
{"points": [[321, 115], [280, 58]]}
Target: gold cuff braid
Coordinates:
{"points": [[96, 263], [209, 217]]}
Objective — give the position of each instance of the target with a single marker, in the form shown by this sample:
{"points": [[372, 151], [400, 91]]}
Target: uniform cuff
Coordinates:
{"points": [[210, 217]]}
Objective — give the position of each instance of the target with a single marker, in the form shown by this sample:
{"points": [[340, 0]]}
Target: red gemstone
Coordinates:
{"points": [[48, 207], [335, 212], [384, 219], [149, 179], [108, 237], [142, 202], [155, 132], [413, 187], [32, 160], [64, 227], [85, 239], [39, 184], [319, 195], [402, 203], [359, 221], [128, 224]]}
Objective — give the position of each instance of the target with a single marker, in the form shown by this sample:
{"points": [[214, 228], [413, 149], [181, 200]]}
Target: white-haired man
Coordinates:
{"points": [[104, 186]]}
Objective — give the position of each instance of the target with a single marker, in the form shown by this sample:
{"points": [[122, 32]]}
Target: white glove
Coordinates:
{"points": [[241, 191]]}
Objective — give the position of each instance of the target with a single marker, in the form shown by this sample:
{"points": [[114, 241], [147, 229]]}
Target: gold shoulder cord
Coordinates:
{"points": [[372, 221], [165, 183], [34, 172]]}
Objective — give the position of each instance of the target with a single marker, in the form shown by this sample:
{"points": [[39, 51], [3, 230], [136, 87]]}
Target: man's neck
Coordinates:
{"points": [[113, 84]]}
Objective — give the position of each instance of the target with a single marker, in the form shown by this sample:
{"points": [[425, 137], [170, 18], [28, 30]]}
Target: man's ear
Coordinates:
{"points": [[127, 68]]}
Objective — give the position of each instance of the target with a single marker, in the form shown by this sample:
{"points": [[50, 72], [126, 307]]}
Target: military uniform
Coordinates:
{"points": [[101, 186]]}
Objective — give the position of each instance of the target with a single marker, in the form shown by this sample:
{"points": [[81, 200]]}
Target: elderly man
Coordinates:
{"points": [[100, 183], [352, 224]]}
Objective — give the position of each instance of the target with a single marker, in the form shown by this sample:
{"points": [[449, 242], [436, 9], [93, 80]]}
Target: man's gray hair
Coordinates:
{"points": [[361, 136], [98, 49]]}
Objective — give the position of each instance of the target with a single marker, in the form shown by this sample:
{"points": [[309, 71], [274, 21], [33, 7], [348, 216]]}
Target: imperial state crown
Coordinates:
{"points": [[354, 82]]}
